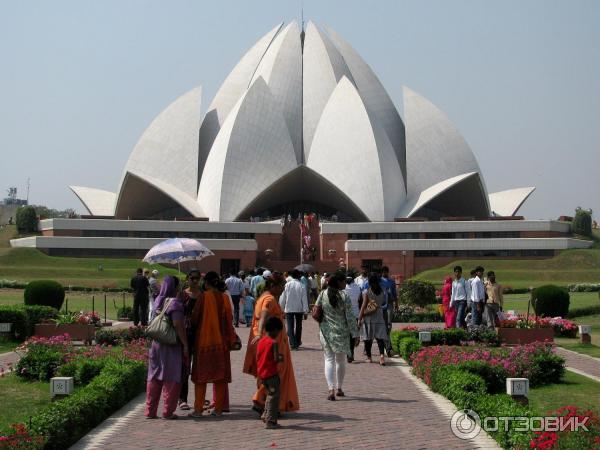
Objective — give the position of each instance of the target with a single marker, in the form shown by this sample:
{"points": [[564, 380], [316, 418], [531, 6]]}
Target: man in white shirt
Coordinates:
{"points": [[294, 302], [477, 297], [460, 294], [363, 278], [236, 288]]}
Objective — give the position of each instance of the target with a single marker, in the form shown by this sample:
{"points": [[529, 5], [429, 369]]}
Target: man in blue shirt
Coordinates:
{"points": [[388, 285]]}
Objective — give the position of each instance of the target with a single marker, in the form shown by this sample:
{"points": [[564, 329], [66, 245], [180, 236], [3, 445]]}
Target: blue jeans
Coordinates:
{"points": [[461, 312], [294, 328], [476, 314]]}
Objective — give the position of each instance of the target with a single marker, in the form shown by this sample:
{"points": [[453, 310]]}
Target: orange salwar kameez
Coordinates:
{"points": [[288, 400]]}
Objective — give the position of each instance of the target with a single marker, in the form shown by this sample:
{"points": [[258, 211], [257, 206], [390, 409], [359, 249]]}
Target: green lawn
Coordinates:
{"points": [[576, 346], [518, 302], [21, 399], [77, 301], [574, 390], [26, 264], [570, 266]]}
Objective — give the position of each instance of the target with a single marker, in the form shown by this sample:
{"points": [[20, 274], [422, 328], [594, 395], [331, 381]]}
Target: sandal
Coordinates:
{"points": [[331, 397], [340, 393], [184, 406]]}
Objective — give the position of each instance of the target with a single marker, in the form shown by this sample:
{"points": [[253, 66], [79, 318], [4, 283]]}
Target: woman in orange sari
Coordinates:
{"points": [[215, 338], [267, 306]]}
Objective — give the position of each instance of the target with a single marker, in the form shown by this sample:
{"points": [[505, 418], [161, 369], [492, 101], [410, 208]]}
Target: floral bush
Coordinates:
{"points": [[88, 318], [562, 327], [20, 438], [567, 439], [77, 317], [535, 361]]}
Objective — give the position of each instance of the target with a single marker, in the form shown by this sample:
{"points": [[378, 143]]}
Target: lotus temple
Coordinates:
{"points": [[301, 127]]}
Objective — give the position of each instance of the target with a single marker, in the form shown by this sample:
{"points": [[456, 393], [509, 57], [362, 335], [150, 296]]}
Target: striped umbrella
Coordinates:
{"points": [[177, 250]]}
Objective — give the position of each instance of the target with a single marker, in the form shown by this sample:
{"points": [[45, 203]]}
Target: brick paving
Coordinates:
{"points": [[383, 409], [583, 364]]}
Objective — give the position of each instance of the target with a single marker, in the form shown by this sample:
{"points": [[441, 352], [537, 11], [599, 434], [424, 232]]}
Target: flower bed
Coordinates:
{"points": [[449, 336], [107, 377], [565, 439], [561, 327], [77, 331]]}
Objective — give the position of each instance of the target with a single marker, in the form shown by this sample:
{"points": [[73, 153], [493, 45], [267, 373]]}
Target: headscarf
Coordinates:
{"points": [[168, 289]]}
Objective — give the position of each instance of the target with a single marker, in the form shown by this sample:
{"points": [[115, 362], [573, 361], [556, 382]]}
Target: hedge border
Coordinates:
{"points": [[64, 422]]}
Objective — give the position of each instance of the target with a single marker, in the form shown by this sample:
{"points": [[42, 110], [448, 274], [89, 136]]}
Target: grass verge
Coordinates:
{"points": [[20, 400], [575, 389]]}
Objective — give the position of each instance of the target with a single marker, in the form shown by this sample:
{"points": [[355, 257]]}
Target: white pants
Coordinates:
{"points": [[335, 369]]}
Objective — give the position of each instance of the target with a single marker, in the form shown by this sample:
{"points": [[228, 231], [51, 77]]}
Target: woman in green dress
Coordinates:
{"points": [[338, 325]]}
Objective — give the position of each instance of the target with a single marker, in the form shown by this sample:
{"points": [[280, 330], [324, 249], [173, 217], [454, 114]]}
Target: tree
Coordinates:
{"points": [[417, 293], [582, 222], [26, 219]]}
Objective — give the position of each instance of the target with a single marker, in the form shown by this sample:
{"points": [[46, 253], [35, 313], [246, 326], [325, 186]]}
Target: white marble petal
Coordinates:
{"points": [[507, 203], [252, 151], [98, 202], [168, 149], [281, 68], [352, 151], [229, 93], [374, 96], [323, 67], [435, 150]]}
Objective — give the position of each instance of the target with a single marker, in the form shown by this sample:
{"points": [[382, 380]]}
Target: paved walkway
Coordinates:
{"points": [[384, 408], [582, 364]]}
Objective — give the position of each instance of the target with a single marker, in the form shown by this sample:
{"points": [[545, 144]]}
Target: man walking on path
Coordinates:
{"points": [[139, 284], [363, 278], [477, 297], [294, 303], [495, 299], [236, 289], [458, 299], [389, 287]]}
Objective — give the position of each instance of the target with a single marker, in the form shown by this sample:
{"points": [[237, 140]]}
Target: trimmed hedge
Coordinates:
{"points": [[24, 319], [584, 287], [550, 301], [408, 346], [64, 422], [585, 311], [106, 336], [448, 336], [44, 292], [415, 292], [417, 317], [468, 391]]}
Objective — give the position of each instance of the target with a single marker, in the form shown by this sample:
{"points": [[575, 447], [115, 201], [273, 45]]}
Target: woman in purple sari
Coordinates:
{"points": [[166, 361]]}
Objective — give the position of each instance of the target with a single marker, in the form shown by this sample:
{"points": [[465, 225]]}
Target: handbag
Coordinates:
{"points": [[317, 309], [371, 307], [161, 328]]}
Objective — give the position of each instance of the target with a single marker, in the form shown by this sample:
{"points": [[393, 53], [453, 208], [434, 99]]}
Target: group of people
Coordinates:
{"points": [[205, 311], [473, 302]]}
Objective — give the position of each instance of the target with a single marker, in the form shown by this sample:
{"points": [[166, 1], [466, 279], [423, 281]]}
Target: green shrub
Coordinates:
{"points": [[417, 317], [64, 422], [546, 369], [83, 370], [460, 387], [450, 336], [24, 319], [26, 219], [419, 293], [550, 301], [584, 311], [39, 363], [105, 336], [408, 346], [484, 335], [125, 312], [493, 376], [502, 405], [16, 316], [582, 222], [44, 292]]}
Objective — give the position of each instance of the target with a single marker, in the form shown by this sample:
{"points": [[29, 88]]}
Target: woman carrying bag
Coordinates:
{"points": [[371, 315], [166, 359], [337, 327]]}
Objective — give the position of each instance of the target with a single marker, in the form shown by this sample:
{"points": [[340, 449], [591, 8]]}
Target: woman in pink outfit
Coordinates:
{"points": [[449, 313]]}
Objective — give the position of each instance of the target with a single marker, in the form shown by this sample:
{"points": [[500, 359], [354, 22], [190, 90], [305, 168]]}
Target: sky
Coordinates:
{"points": [[81, 80]]}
